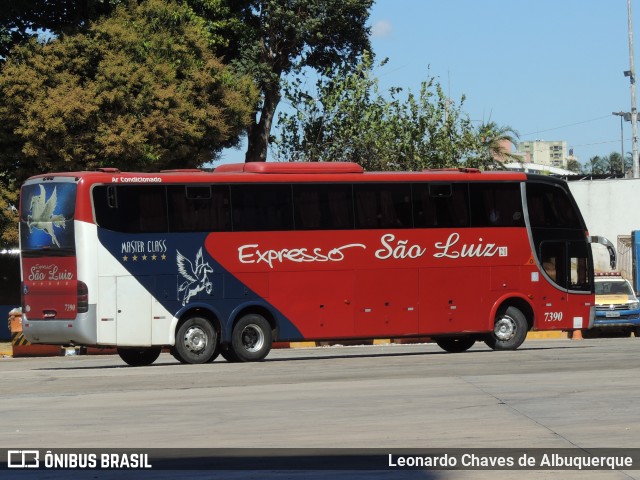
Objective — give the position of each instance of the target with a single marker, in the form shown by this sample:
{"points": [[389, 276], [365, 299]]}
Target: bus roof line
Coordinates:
{"points": [[290, 167], [447, 170]]}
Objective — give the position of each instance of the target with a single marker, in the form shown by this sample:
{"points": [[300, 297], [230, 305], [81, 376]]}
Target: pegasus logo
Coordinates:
{"points": [[42, 217], [196, 277]]}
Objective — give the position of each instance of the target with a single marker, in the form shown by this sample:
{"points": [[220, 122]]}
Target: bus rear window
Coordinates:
{"points": [[47, 213]]}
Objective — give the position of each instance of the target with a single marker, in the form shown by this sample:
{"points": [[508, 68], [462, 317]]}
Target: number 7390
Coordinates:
{"points": [[552, 316]]}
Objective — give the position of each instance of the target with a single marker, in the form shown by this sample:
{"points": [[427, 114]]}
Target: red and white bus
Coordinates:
{"points": [[230, 261]]}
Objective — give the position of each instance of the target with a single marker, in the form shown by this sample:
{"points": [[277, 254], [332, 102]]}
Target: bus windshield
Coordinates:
{"points": [[46, 219], [559, 236]]}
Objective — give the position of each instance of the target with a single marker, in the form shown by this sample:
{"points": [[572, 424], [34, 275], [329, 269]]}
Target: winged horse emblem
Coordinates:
{"points": [[196, 276], [42, 216]]}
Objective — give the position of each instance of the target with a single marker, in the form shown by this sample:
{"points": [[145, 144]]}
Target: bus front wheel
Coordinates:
{"points": [[251, 338], [139, 357], [196, 342], [509, 330], [455, 344]]}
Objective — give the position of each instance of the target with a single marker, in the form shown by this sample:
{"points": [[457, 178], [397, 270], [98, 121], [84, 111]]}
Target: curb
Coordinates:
{"points": [[544, 335], [547, 335]]}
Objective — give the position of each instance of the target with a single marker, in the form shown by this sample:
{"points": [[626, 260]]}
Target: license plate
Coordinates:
{"points": [[612, 314]]}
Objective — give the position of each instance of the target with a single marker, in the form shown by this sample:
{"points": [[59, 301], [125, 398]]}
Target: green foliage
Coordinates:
{"points": [[351, 120], [494, 142], [9, 215], [573, 165], [608, 165], [140, 90], [21, 20], [283, 36]]}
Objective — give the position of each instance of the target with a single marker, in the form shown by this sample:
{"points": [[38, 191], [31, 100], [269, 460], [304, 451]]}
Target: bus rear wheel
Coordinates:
{"points": [[251, 339], [509, 330], [196, 341], [455, 344], [139, 357], [228, 354]]}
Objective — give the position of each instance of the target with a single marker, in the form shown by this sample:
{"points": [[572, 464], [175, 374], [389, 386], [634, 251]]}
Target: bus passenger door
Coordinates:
{"points": [[133, 314]]}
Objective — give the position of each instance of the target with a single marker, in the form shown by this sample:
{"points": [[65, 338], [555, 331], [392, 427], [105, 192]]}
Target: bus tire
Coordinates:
{"points": [[196, 341], [509, 330], [139, 357], [177, 356], [455, 344], [251, 338], [228, 354]]}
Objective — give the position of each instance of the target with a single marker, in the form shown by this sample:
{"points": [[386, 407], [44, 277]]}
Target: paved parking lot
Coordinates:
{"points": [[549, 394]]}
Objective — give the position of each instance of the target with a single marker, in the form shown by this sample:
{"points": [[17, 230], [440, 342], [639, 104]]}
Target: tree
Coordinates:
{"points": [[495, 142], [596, 165], [283, 36], [608, 165], [26, 19], [140, 89], [348, 119], [9, 215], [615, 165], [573, 165]]}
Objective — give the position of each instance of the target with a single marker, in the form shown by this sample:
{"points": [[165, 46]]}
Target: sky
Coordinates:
{"points": [[550, 69]]}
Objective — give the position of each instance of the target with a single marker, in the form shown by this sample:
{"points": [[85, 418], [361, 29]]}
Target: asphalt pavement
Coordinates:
{"points": [[549, 395]]}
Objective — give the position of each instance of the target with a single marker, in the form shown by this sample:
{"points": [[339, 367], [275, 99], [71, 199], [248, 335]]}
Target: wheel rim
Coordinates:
{"points": [[252, 338], [505, 329], [195, 339]]}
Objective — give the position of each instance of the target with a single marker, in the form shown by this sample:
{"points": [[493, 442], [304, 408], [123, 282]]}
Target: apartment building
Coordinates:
{"points": [[548, 153]]}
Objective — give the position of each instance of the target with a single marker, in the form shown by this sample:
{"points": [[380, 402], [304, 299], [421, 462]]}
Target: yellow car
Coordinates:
{"points": [[617, 307]]}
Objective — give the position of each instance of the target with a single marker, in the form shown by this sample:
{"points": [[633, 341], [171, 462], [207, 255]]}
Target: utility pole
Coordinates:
{"points": [[634, 112], [621, 115]]}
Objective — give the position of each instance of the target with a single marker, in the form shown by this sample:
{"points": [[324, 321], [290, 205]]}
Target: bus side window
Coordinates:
{"points": [[262, 207], [199, 208], [130, 212], [112, 197], [496, 205], [440, 205], [142, 218], [579, 265], [549, 265], [382, 205], [323, 206], [553, 258]]}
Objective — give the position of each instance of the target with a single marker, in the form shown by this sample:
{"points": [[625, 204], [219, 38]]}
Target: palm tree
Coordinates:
{"points": [[596, 165], [495, 142]]}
